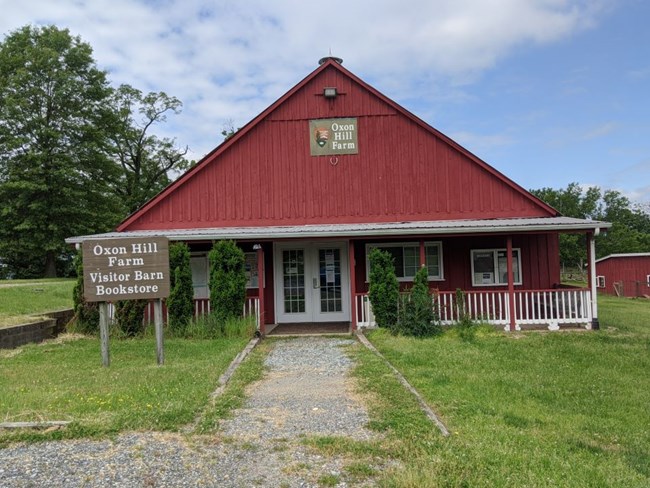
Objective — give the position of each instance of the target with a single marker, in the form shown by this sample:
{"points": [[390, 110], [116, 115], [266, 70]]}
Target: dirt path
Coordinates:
{"points": [[307, 391]]}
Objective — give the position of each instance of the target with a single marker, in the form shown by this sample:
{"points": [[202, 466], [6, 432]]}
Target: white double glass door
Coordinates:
{"points": [[312, 282]]}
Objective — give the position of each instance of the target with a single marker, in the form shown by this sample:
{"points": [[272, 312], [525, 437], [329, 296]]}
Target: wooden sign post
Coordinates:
{"points": [[126, 269], [103, 333]]}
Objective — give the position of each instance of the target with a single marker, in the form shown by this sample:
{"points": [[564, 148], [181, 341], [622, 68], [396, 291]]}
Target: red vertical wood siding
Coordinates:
{"points": [[631, 270], [404, 172]]}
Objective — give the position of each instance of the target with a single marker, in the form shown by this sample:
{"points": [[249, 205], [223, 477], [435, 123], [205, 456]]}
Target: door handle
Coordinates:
{"points": [[316, 283]]}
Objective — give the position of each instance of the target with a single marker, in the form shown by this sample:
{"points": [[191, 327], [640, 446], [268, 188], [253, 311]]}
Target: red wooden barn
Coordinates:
{"points": [[334, 168], [626, 275]]}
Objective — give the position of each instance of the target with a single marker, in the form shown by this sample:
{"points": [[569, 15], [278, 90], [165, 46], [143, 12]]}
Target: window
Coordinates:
{"points": [[250, 267], [600, 281], [199, 265], [406, 256], [490, 267], [647, 278]]}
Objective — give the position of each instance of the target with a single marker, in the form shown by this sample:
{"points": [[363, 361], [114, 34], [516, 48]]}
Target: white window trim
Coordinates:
{"points": [[647, 279], [600, 279], [495, 252], [408, 279]]}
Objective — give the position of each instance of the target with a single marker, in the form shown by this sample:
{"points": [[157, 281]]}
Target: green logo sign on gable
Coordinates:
{"points": [[333, 137]]}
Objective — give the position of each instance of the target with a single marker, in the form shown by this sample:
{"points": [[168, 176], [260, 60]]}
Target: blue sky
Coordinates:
{"points": [[549, 92]]}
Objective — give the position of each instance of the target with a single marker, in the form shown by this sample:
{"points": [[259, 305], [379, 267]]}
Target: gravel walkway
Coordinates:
{"points": [[306, 391]]}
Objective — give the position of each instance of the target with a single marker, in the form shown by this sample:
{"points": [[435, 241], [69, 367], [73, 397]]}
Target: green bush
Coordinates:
{"points": [[86, 314], [180, 303], [129, 316], [383, 290], [465, 326], [417, 314], [227, 281]]}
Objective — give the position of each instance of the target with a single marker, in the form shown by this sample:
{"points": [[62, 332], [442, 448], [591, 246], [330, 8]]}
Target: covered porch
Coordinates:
{"points": [[507, 269]]}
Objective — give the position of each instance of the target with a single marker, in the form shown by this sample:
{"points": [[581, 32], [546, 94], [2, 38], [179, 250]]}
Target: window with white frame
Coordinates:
{"points": [[199, 266], [250, 267], [647, 279], [600, 282], [406, 256], [490, 267]]}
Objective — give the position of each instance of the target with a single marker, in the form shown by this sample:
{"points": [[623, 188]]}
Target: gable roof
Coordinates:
{"points": [[143, 218], [625, 255]]}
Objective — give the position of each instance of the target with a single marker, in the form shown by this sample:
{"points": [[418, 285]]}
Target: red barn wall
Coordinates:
{"points": [[633, 271], [403, 172]]}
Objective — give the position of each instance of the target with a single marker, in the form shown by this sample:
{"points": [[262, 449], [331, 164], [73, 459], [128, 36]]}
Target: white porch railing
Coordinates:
{"points": [[365, 317], [552, 308], [201, 308], [251, 308]]}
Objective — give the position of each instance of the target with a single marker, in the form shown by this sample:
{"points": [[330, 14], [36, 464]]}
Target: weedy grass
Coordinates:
{"points": [[528, 409], [234, 395], [64, 380], [20, 299]]}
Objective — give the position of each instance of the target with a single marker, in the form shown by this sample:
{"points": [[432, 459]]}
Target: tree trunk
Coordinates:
{"points": [[50, 265]]}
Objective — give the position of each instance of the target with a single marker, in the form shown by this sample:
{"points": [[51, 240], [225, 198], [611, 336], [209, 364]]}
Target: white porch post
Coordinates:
{"points": [[591, 255], [260, 287], [353, 287], [511, 284]]}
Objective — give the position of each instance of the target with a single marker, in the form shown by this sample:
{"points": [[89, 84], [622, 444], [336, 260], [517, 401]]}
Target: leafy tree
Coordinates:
{"points": [[572, 202], [53, 167], [383, 289], [146, 160], [180, 304], [630, 231], [227, 281]]}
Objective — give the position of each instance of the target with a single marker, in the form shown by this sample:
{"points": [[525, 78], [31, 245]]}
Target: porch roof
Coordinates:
{"points": [[430, 228]]}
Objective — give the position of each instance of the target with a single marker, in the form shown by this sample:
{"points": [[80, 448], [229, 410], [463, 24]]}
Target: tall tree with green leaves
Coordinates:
{"points": [[54, 171], [146, 159], [630, 231]]}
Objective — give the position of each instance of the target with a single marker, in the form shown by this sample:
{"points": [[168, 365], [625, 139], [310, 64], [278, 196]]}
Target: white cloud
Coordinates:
{"points": [[229, 60], [600, 131]]}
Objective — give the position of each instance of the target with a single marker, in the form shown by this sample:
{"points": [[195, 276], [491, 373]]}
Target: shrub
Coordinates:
{"points": [[227, 281], [180, 303], [129, 316], [465, 326], [383, 290], [417, 314], [86, 314]]}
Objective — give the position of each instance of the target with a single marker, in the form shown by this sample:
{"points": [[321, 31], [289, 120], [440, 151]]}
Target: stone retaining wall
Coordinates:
{"points": [[18, 335]]}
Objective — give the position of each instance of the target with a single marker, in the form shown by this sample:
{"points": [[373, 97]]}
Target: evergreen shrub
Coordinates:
{"points": [[383, 289], [86, 314], [180, 303], [129, 316], [227, 281], [418, 316]]}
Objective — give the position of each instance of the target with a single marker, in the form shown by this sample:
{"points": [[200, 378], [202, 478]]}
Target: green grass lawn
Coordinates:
{"points": [[64, 380], [525, 409], [20, 299]]}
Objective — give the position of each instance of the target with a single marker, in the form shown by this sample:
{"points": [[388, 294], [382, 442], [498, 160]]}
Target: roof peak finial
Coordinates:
{"points": [[333, 58]]}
